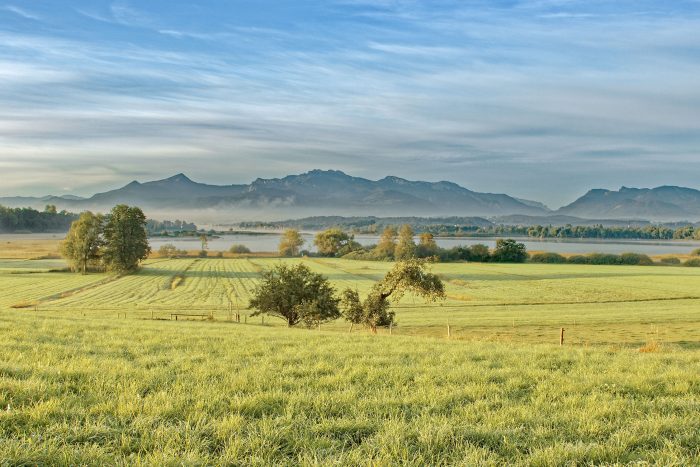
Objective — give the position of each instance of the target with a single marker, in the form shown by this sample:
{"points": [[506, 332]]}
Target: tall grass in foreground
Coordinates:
{"points": [[96, 391]]}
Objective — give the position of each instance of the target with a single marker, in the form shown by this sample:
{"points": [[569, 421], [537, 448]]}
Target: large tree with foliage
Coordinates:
{"points": [[427, 246], [126, 240], [295, 294], [509, 251], [81, 246], [408, 276], [386, 246], [290, 243], [406, 247], [335, 242]]}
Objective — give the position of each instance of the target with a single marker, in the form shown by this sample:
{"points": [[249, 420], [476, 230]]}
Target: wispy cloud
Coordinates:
{"points": [[20, 12], [482, 94]]}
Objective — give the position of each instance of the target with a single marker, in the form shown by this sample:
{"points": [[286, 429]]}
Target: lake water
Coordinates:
{"points": [[269, 242]]}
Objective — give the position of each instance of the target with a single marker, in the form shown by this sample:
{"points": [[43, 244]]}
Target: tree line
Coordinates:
{"points": [[31, 220], [155, 227], [117, 242], [398, 244], [480, 227]]}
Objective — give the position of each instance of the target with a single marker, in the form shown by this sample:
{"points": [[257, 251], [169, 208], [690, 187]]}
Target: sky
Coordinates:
{"points": [[541, 99]]}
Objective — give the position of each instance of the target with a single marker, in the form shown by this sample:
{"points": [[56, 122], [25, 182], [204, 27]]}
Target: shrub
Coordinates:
{"points": [[239, 249], [203, 253], [479, 253], [509, 251], [362, 255], [167, 251], [219, 254], [553, 258], [604, 259], [692, 263], [578, 259], [670, 260], [695, 252], [636, 259]]}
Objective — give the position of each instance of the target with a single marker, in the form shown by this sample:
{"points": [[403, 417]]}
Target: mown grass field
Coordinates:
{"points": [[93, 371], [526, 303]]}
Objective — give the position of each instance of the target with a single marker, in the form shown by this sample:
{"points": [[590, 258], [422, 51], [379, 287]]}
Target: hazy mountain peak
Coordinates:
{"points": [[179, 178], [660, 203]]}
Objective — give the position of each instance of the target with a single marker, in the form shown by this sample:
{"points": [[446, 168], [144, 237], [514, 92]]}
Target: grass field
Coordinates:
{"points": [[88, 377], [526, 303], [105, 391]]}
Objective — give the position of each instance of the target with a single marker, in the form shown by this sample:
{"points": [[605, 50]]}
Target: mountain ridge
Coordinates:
{"points": [[333, 192]]}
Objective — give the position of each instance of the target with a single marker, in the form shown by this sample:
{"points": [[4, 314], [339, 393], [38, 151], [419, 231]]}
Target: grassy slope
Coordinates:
{"points": [[79, 386], [102, 391]]}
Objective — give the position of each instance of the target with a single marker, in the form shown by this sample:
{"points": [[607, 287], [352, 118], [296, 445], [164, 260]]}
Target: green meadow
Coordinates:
{"points": [[94, 371]]}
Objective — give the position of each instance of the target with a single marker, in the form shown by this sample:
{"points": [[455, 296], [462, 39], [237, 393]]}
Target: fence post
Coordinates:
{"points": [[561, 336], [391, 326], [449, 330]]}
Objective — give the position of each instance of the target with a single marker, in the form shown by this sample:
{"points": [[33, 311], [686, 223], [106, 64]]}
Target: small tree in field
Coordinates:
{"points": [[427, 246], [291, 243], [126, 240], [406, 276], [82, 244], [167, 251], [406, 247], [331, 242], [509, 251], [295, 294], [387, 244]]}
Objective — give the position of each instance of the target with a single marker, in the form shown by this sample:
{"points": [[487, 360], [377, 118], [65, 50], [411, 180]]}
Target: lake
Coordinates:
{"points": [[270, 241]]}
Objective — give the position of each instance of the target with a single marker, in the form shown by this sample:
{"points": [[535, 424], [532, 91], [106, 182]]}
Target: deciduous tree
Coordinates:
{"points": [[387, 244], [332, 242], [81, 246], [509, 251], [406, 247], [295, 294], [126, 240], [291, 243], [406, 276]]}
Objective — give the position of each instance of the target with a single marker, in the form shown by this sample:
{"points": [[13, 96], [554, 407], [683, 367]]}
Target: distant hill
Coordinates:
{"points": [[662, 203], [317, 192], [334, 193], [559, 220]]}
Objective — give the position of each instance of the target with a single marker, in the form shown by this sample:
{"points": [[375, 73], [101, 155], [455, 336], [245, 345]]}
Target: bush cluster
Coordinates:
{"points": [[549, 258], [629, 259]]}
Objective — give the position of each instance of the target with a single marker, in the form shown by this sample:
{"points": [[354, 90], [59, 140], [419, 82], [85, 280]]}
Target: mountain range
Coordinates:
{"points": [[332, 192]]}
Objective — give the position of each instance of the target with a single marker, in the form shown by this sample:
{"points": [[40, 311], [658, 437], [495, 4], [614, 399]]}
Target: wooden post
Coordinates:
{"points": [[351, 325], [449, 330], [246, 319], [561, 336], [151, 314], [391, 326]]}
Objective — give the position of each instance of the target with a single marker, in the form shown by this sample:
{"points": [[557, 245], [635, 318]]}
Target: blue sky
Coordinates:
{"points": [[541, 99]]}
